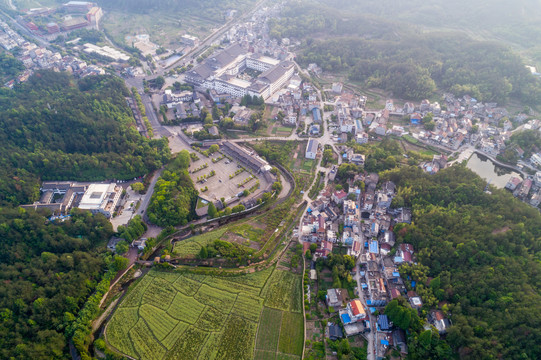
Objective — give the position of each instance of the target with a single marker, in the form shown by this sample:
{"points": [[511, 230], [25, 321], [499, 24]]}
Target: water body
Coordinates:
{"points": [[485, 168]]}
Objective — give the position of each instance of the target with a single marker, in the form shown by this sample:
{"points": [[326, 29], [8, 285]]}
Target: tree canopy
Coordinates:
{"points": [[54, 128], [482, 252]]}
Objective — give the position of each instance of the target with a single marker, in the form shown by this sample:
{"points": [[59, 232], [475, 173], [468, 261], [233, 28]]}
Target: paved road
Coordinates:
{"points": [[146, 198], [371, 336]]}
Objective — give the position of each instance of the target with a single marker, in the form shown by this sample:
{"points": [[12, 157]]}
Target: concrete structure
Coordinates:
{"points": [[106, 51], [74, 23], [94, 16], [249, 158], [189, 40]]}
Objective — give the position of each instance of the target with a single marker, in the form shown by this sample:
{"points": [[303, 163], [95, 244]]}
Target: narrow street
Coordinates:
{"points": [[371, 336]]}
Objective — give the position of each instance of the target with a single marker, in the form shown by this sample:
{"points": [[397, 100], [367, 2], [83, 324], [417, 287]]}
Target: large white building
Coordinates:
{"points": [[219, 72], [311, 149], [101, 198]]}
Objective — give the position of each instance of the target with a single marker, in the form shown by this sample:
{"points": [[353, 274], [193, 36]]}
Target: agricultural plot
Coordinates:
{"points": [[291, 334], [183, 315], [264, 355], [269, 330], [185, 308], [283, 291]]}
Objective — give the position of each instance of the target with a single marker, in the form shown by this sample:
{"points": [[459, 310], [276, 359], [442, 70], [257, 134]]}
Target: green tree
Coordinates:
{"points": [[212, 212], [137, 186], [122, 247]]}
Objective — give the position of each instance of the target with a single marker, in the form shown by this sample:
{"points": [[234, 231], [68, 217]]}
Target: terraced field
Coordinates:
{"points": [[181, 315]]}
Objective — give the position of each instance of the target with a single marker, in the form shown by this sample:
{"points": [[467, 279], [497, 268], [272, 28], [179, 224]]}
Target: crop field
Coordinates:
{"points": [[269, 330], [183, 315], [283, 291]]}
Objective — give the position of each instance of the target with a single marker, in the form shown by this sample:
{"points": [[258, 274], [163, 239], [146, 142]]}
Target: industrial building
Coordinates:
{"points": [[219, 72], [62, 196]]}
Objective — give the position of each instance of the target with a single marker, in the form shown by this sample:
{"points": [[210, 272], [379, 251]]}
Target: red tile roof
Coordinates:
{"points": [[357, 308]]}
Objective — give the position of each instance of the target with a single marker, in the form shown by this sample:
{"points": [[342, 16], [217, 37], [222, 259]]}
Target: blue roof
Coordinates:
{"points": [[374, 247], [413, 283], [358, 191], [309, 210], [384, 342], [383, 322], [364, 286], [398, 259], [346, 319], [396, 273], [317, 114], [372, 310]]}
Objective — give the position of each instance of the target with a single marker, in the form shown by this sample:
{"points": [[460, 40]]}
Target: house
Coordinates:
{"points": [[361, 138], [381, 130], [334, 298], [311, 149], [439, 321], [213, 130], [383, 323], [339, 196], [358, 159], [399, 340], [514, 182], [537, 179], [140, 244], [356, 310], [409, 108], [335, 332], [316, 113], [416, 302], [337, 88]]}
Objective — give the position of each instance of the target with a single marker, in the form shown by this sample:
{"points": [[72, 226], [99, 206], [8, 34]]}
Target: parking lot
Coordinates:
{"points": [[220, 185]]}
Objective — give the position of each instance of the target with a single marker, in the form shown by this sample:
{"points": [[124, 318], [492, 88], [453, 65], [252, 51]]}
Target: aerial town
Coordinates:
{"points": [[220, 97]]}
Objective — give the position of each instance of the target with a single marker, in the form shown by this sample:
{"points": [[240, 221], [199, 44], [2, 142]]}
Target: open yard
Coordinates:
{"points": [[182, 315], [218, 177]]}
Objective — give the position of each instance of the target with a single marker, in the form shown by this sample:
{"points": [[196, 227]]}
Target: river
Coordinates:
{"points": [[485, 168]]}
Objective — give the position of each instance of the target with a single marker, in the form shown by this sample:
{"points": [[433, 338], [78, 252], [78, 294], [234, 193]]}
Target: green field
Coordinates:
{"points": [[191, 247], [182, 315]]}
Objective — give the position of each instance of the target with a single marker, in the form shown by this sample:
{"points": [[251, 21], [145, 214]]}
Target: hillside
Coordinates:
{"points": [[394, 52], [54, 128], [478, 260], [47, 271]]}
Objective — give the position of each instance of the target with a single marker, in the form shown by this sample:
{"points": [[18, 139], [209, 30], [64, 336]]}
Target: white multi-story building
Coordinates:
{"points": [[101, 198]]}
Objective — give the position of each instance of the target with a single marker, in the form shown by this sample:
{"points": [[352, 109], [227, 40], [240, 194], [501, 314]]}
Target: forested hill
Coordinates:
{"points": [[399, 56], [516, 21], [55, 128], [478, 259], [203, 8]]}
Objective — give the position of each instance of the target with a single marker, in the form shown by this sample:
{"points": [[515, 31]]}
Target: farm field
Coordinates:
{"points": [[174, 315]]}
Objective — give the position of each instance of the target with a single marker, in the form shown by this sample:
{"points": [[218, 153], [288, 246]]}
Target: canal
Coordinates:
{"points": [[485, 168]]}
